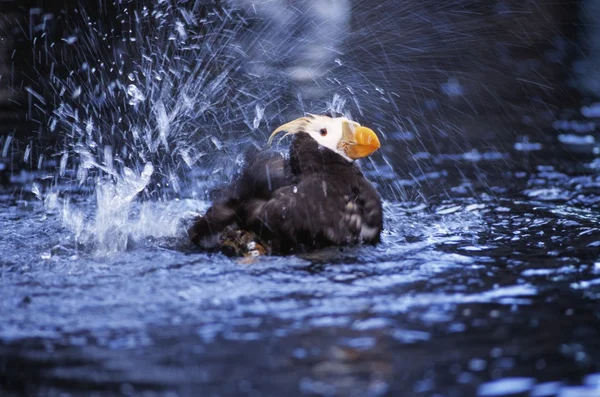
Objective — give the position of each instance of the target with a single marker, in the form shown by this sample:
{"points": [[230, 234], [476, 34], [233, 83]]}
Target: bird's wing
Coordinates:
{"points": [[265, 172], [239, 202], [316, 212], [368, 202]]}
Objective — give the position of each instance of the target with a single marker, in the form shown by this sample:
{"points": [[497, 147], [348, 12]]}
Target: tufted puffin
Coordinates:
{"points": [[314, 198]]}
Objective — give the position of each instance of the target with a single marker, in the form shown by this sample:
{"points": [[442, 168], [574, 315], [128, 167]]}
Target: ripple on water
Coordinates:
{"points": [[443, 273]]}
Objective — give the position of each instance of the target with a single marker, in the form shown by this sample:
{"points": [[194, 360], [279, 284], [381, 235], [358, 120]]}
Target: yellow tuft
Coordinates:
{"points": [[293, 127]]}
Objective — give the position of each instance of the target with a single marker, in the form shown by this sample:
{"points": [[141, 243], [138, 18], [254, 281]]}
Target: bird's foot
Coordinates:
{"points": [[242, 243]]}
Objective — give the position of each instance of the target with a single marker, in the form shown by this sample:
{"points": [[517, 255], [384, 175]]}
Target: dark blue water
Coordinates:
{"points": [[487, 283], [487, 279]]}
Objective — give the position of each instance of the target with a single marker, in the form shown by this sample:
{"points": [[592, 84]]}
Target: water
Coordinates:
{"points": [[487, 289], [486, 282]]}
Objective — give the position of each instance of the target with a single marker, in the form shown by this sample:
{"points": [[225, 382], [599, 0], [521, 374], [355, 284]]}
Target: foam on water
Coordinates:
{"points": [[117, 219]]}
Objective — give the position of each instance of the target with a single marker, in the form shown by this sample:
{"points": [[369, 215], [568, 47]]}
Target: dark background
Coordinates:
{"points": [[513, 59]]}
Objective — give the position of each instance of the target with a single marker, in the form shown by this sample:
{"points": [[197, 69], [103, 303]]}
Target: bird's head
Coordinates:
{"points": [[345, 137]]}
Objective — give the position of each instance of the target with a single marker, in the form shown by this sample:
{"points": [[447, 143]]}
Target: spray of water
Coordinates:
{"points": [[151, 93], [159, 93], [163, 97]]}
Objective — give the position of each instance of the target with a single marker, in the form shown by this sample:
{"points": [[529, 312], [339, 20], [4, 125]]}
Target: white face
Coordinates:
{"points": [[328, 132], [345, 137]]}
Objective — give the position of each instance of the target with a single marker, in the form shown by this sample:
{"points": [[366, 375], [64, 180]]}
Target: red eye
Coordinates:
{"points": [[323, 131]]}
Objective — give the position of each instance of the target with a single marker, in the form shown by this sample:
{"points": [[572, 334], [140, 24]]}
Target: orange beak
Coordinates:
{"points": [[358, 141]]}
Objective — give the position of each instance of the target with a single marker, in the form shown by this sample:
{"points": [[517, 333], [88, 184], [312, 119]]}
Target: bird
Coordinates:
{"points": [[316, 197]]}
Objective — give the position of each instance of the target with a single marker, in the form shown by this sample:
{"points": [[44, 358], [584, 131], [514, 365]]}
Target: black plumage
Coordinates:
{"points": [[239, 204], [314, 199]]}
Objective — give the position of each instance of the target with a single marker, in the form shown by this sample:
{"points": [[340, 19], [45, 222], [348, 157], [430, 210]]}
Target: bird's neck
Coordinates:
{"points": [[307, 156]]}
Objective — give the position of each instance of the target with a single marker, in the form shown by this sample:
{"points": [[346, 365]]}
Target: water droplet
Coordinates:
{"points": [[260, 111], [181, 30], [70, 39], [135, 94], [35, 189], [27, 152], [63, 164], [76, 93]]}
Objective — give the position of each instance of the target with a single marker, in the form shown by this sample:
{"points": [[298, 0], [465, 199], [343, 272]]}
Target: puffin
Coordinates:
{"points": [[315, 197]]}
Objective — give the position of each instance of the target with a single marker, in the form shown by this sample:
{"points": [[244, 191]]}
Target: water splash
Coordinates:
{"points": [[158, 90], [183, 86], [114, 199], [119, 218], [135, 94]]}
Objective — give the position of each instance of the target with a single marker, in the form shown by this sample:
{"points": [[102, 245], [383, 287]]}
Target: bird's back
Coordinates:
{"points": [[239, 203]]}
